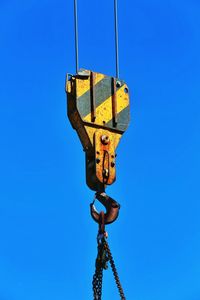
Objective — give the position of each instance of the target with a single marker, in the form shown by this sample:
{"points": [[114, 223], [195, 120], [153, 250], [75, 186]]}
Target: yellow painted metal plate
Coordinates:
{"points": [[105, 156]]}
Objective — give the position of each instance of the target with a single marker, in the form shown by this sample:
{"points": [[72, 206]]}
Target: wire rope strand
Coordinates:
{"points": [[116, 38], [76, 35]]}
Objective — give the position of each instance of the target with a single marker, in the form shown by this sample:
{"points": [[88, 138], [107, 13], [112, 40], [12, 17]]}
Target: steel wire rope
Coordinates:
{"points": [[116, 38], [76, 34]]}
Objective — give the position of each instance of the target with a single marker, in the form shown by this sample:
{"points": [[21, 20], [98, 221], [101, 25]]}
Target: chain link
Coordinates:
{"points": [[114, 270], [99, 265], [104, 255], [97, 283]]}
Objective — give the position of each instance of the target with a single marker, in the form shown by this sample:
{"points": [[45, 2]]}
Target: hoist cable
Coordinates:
{"points": [[116, 38], [76, 34]]}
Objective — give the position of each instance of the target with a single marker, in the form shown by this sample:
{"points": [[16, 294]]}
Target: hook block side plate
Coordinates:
{"points": [[98, 105]]}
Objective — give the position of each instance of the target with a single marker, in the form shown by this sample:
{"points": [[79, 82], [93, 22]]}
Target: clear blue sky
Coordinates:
{"points": [[47, 237]]}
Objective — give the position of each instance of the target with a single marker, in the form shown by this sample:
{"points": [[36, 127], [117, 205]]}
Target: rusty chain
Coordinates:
{"points": [[98, 275], [114, 270], [97, 283], [104, 255]]}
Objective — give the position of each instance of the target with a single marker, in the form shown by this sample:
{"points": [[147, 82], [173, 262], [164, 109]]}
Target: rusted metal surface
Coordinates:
{"points": [[114, 102], [98, 109], [112, 209], [92, 93], [105, 156]]}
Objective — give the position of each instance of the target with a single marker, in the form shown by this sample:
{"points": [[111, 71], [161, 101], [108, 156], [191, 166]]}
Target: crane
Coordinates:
{"points": [[98, 109]]}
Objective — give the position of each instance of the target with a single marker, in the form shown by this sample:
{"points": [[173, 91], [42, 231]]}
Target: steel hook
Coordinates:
{"points": [[112, 209]]}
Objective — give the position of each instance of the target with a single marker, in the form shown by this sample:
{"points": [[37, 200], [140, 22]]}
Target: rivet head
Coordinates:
{"points": [[105, 139], [112, 164], [118, 83], [126, 90], [97, 160]]}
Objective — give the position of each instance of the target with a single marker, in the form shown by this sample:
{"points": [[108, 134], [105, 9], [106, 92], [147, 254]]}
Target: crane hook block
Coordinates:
{"points": [[98, 109]]}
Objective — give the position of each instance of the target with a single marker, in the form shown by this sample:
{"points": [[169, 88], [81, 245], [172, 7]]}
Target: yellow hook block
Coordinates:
{"points": [[98, 109]]}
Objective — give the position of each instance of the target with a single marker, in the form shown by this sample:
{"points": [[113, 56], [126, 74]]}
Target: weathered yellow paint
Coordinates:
{"points": [[90, 130], [107, 162], [104, 110], [115, 136], [82, 86]]}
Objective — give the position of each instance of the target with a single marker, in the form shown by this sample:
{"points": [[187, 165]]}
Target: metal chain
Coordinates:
{"points": [[97, 283], [104, 255], [116, 276], [100, 264]]}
